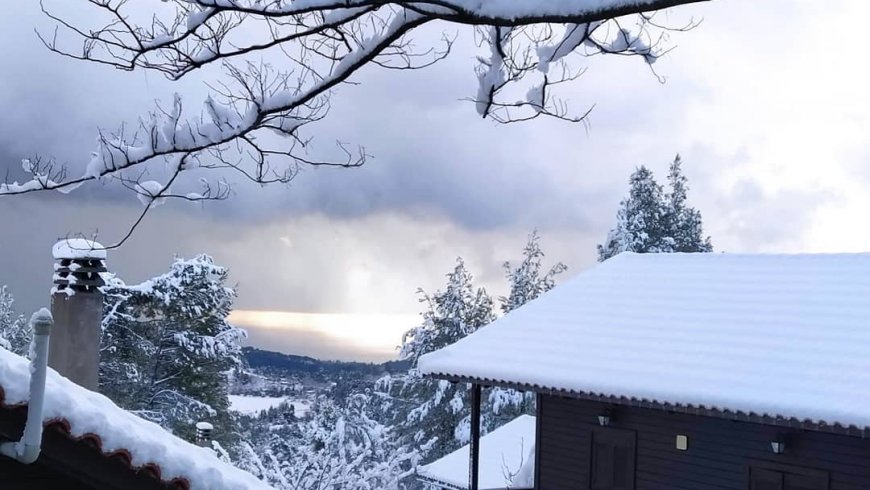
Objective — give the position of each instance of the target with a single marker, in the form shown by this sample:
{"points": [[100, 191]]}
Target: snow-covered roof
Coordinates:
{"points": [[507, 460], [770, 335], [88, 415]]}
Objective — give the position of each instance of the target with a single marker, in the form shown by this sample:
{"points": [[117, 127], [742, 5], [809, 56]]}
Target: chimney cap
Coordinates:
{"points": [[78, 249], [40, 318]]}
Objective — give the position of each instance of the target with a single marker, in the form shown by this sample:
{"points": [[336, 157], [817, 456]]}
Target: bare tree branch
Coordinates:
{"points": [[252, 124]]}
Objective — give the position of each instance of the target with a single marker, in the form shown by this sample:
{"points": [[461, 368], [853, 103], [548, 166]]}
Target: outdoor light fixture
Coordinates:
{"points": [[604, 419], [777, 446]]}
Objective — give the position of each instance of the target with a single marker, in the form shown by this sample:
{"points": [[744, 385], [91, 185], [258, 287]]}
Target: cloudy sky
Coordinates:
{"points": [[766, 101]]}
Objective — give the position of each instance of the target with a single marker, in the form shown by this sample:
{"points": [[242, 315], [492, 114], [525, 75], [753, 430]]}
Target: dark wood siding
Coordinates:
{"points": [[17, 476], [720, 452]]}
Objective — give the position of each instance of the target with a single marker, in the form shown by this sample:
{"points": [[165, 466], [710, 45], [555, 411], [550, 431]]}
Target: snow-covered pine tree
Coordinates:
{"points": [[167, 346], [14, 329], [650, 220], [640, 221], [527, 281], [683, 221], [431, 416], [450, 315]]}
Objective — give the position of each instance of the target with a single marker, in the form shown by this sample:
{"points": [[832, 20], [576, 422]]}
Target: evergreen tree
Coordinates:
{"points": [[527, 281], [431, 416], [683, 221], [650, 221], [14, 330], [167, 347], [451, 315]]}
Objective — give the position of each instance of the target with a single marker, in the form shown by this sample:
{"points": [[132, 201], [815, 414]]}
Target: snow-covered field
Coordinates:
{"points": [[252, 405]]}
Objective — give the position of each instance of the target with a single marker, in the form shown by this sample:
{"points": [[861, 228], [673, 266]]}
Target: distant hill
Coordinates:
{"points": [[263, 359]]}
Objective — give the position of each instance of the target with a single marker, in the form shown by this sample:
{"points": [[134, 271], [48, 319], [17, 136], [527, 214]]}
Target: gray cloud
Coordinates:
{"points": [[443, 182], [316, 264], [432, 154]]}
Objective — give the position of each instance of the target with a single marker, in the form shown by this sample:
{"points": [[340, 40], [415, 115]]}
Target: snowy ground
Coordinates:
{"points": [[253, 405]]}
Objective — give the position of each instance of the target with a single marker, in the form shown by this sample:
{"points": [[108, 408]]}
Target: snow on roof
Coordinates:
{"points": [[507, 459], [88, 413], [78, 248], [774, 335]]}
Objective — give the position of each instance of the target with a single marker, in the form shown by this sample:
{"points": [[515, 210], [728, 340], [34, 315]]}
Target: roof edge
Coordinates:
{"points": [[687, 409], [439, 482]]}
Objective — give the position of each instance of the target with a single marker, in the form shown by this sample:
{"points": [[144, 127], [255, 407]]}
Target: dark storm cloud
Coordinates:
{"points": [[432, 154]]}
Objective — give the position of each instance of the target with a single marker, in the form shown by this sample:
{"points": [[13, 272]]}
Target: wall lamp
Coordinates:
{"points": [[778, 445]]}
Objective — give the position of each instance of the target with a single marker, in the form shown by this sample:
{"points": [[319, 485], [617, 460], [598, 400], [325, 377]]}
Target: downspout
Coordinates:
{"points": [[28, 448]]}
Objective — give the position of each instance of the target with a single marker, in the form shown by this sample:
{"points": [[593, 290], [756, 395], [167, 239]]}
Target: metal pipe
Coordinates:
{"points": [[28, 448]]}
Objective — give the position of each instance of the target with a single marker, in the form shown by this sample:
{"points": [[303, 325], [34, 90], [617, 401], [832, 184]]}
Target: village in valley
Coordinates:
{"points": [[434, 245]]}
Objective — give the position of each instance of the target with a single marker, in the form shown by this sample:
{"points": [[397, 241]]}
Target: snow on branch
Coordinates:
{"points": [[325, 42]]}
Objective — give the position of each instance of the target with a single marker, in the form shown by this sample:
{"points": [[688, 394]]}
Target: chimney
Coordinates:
{"points": [[203, 434], [77, 308]]}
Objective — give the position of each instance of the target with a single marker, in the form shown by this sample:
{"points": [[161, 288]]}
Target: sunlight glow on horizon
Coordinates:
{"points": [[371, 332]]}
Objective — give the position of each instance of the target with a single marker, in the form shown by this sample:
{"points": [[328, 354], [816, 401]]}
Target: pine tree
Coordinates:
{"points": [[430, 416], [451, 315], [167, 346], [527, 281], [14, 329], [684, 221], [640, 223], [650, 221]]}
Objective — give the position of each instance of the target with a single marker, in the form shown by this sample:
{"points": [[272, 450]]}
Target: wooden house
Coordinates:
{"points": [[688, 372]]}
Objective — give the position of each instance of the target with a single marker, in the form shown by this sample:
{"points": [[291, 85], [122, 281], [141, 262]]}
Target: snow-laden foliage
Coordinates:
{"points": [[685, 222], [528, 280], [432, 416], [338, 446], [343, 448], [450, 315], [650, 220], [14, 330], [167, 347], [530, 48]]}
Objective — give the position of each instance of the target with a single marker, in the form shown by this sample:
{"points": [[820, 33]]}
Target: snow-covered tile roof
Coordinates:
{"points": [[507, 459], [772, 335], [89, 414]]}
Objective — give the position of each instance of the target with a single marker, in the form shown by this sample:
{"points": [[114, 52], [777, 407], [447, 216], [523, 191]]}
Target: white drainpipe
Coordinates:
{"points": [[28, 448]]}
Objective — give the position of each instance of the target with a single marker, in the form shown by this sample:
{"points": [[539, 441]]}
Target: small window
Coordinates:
{"points": [[772, 476], [613, 459]]}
